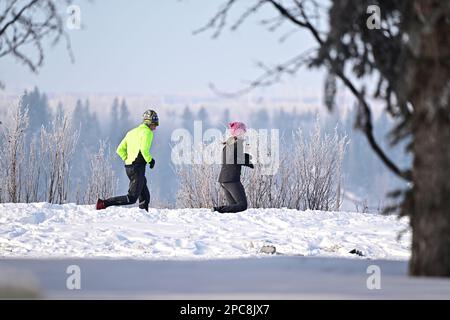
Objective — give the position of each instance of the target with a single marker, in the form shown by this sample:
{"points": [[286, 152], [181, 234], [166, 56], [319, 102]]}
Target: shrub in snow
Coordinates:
{"points": [[57, 147], [102, 180], [198, 187], [308, 176], [12, 153]]}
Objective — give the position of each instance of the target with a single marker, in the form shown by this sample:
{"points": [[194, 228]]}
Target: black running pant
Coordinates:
{"points": [[137, 189], [235, 194]]}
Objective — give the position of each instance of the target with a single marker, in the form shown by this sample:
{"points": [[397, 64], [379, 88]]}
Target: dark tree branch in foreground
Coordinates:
{"points": [[272, 75], [300, 18], [405, 60], [26, 24]]}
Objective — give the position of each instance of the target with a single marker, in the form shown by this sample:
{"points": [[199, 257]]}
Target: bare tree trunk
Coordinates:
{"points": [[429, 200]]}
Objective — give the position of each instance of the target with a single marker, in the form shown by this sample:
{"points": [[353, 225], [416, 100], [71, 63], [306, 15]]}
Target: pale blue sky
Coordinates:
{"points": [[147, 47]]}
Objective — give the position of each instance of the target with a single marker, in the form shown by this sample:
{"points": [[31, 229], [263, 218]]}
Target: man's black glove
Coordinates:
{"points": [[152, 163]]}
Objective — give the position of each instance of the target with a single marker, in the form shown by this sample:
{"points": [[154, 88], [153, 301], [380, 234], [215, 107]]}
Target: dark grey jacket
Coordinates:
{"points": [[233, 158]]}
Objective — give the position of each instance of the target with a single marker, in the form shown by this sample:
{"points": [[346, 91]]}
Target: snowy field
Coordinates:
{"points": [[45, 230]]}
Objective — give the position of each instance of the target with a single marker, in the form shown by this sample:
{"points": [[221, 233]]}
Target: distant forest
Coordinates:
{"points": [[365, 180]]}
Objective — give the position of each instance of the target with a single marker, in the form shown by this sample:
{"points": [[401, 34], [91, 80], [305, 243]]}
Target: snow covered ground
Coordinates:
{"points": [[44, 230], [197, 254]]}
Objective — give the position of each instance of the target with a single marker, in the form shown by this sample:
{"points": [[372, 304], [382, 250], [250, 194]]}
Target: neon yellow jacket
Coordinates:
{"points": [[137, 139]]}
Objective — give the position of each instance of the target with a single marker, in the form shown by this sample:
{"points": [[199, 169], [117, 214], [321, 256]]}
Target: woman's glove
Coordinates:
{"points": [[248, 162]]}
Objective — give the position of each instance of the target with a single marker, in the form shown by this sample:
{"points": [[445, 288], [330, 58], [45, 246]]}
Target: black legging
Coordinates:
{"points": [[235, 194], [137, 190]]}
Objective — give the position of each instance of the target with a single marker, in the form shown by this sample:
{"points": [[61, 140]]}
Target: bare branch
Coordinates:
{"points": [[7, 10], [368, 128], [220, 18], [304, 24], [17, 16], [246, 14], [22, 26], [271, 75]]}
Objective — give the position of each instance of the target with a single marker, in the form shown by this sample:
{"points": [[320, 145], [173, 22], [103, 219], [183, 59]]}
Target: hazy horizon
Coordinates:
{"points": [[148, 48]]}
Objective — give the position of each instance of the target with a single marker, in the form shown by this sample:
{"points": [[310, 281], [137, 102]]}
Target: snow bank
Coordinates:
{"points": [[46, 230]]}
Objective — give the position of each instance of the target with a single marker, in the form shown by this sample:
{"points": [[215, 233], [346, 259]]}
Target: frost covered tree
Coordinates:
{"points": [[309, 175], [198, 187], [32, 171], [39, 113], [102, 181], [400, 55], [87, 124], [58, 144], [317, 164], [12, 153]]}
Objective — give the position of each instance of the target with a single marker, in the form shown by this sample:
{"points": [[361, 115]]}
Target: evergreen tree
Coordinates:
{"points": [[203, 116], [187, 119], [225, 120], [38, 111], [125, 121], [59, 111], [113, 132], [261, 120], [96, 129], [77, 116]]}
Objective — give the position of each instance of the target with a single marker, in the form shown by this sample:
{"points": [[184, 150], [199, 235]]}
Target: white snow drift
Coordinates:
{"points": [[46, 230]]}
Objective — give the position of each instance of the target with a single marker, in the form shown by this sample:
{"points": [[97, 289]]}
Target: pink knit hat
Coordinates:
{"points": [[237, 128]]}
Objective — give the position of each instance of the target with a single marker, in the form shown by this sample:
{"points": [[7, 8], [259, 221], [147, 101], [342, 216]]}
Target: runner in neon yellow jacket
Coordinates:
{"points": [[137, 143], [134, 150]]}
